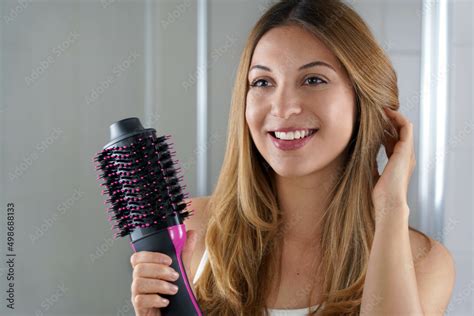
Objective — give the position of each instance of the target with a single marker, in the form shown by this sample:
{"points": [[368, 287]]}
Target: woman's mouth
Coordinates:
{"points": [[292, 140]]}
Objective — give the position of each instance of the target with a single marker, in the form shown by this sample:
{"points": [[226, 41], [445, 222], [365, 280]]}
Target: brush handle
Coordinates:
{"points": [[171, 241]]}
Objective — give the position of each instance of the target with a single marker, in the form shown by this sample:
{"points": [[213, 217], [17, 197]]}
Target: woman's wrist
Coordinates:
{"points": [[391, 216]]}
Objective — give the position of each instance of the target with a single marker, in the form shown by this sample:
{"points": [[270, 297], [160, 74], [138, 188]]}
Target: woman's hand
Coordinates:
{"points": [[152, 276], [390, 191]]}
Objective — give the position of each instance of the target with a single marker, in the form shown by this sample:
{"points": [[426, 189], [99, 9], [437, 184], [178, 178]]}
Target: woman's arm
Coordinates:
{"points": [[394, 284]]}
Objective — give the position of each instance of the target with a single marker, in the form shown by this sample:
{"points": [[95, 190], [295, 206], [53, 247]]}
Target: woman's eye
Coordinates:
{"points": [[262, 83], [259, 83], [313, 80]]}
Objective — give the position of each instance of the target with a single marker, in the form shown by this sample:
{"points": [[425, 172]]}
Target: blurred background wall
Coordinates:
{"points": [[68, 69]]}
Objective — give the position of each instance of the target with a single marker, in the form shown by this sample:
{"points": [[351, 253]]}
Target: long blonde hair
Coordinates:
{"points": [[243, 236]]}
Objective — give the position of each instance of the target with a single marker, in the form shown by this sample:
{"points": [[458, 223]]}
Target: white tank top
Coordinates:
{"points": [[271, 311]]}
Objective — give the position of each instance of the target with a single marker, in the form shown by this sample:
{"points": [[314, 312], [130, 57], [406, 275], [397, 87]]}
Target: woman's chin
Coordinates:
{"points": [[285, 167], [291, 171]]}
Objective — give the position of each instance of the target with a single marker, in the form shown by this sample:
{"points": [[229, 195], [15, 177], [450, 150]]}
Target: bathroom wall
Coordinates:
{"points": [[68, 69]]}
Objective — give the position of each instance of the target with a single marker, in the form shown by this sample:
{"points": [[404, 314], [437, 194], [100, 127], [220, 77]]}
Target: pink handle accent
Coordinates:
{"points": [[178, 236]]}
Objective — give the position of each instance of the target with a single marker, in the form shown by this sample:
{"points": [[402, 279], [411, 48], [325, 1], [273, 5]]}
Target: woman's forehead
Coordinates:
{"points": [[291, 47]]}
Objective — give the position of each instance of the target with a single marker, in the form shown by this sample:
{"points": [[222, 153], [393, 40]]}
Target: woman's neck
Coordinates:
{"points": [[303, 201]]}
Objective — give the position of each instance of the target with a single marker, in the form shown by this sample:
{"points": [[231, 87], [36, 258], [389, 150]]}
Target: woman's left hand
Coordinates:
{"points": [[390, 191]]}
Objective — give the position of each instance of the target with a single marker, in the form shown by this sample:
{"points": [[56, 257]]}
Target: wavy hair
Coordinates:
{"points": [[243, 237]]}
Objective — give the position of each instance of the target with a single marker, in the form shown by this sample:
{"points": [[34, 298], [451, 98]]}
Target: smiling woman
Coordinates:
{"points": [[316, 97], [300, 216]]}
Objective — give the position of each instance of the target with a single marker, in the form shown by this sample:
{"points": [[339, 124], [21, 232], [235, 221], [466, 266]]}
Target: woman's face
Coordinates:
{"points": [[284, 94]]}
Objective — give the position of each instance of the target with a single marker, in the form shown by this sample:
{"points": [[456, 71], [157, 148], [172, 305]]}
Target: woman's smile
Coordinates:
{"points": [[291, 140]]}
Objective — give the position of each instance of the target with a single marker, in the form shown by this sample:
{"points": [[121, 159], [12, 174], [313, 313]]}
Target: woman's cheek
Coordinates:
{"points": [[251, 117], [254, 112], [340, 129], [248, 111]]}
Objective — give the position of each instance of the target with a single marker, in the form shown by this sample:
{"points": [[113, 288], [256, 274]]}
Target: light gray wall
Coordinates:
{"points": [[52, 124], [227, 36], [54, 55], [458, 217], [49, 130]]}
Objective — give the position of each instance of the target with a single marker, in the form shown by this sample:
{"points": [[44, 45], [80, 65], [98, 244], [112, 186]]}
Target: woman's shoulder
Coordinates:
{"points": [[426, 251], [420, 244], [435, 271]]}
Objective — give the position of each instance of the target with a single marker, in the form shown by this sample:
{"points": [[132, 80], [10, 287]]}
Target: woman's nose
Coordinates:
{"points": [[285, 104]]}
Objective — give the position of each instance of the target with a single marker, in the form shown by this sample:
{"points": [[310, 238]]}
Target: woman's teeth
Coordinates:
{"points": [[294, 135]]}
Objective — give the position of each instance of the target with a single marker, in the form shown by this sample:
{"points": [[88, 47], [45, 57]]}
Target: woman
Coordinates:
{"points": [[300, 216]]}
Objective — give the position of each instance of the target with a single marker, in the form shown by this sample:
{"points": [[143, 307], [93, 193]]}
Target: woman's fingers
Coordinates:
{"points": [[152, 277], [155, 271], [153, 286], [403, 125], [405, 143], [150, 301], [150, 257]]}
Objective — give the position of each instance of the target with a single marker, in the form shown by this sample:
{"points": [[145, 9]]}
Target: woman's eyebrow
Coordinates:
{"points": [[309, 65]]}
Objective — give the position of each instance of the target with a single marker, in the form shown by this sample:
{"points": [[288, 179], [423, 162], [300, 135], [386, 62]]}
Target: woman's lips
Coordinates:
{"points": [[290, 144]]}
